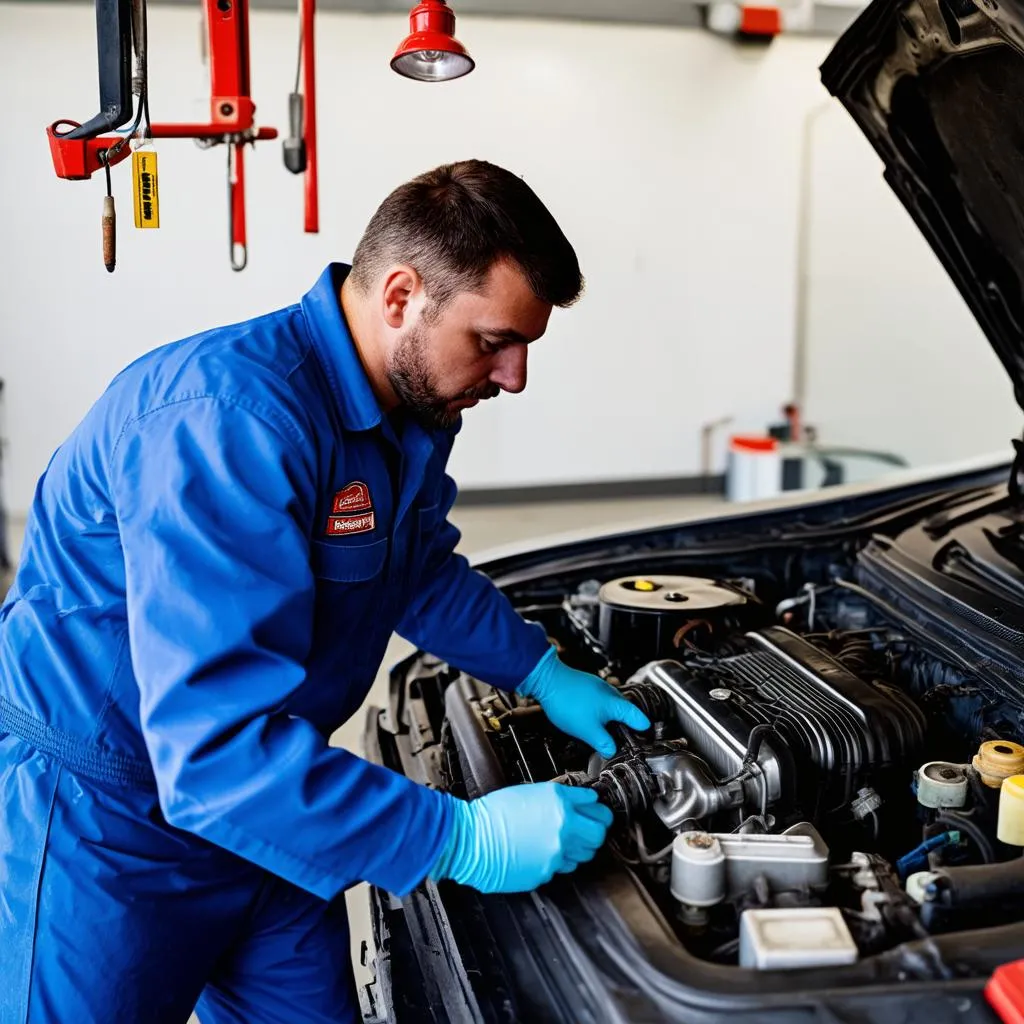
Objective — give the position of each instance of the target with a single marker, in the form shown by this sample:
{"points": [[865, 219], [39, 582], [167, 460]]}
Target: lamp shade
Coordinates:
{"points": [[431, 53]]}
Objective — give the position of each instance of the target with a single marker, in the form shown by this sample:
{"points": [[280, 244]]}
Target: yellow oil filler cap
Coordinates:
{"points": [[997, 760], [1011, 811]]}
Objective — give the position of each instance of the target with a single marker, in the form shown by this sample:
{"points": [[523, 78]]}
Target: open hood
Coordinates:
{"points": [[938, 88]]}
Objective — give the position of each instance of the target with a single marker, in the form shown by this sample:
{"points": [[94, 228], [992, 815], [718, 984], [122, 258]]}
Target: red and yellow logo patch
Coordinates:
{"points": [[351, 511]]}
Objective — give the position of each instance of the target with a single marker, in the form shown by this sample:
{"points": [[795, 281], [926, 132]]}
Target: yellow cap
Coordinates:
{"points": [[997, 760], [643, 585], [1014, 785], [1011, 811]]}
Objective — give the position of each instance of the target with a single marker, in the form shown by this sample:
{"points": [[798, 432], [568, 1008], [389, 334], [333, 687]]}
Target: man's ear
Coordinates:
{"points": [[401, 283]]}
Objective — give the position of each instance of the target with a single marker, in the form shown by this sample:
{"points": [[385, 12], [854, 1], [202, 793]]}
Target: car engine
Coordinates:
{"points": [[817, 785]]}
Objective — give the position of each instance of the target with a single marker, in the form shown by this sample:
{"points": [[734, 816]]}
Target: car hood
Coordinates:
{"points": [[937, 87]]}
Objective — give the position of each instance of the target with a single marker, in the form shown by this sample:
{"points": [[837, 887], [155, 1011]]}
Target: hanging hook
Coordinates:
{"points": [[238, 250]]}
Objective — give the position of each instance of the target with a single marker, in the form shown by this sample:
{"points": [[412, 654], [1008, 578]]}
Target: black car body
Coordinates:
{"points": [[824, 676]]}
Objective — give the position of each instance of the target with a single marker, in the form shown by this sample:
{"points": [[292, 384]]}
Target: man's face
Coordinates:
{"points": [[471, 349]]}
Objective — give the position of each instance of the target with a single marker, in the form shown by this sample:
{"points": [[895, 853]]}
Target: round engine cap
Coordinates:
{"points": [[698, 869], [997, 760], [942, 784], [1011, 811], [689, 594]]}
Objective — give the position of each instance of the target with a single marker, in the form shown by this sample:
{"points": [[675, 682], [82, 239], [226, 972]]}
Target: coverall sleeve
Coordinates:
{"points": [[214, 502], [460, 616]]}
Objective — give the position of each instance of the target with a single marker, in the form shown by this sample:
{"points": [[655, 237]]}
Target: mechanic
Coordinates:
{"points": [[213, 566]]}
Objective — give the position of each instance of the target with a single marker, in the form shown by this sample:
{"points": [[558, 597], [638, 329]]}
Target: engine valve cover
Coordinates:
{"points": [[829, 732]]}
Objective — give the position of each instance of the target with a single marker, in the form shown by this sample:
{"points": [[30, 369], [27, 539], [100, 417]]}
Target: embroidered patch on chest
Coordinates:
{"points": [[351, 511], [337, 526], [353, 498]]}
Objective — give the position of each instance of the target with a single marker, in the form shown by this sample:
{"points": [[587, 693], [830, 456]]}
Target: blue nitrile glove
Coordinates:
{"points": [[579, 703], [514, 839]]}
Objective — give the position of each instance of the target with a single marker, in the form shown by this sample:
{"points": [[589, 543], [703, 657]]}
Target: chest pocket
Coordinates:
{"points": [[348, 563], [429, 519]]}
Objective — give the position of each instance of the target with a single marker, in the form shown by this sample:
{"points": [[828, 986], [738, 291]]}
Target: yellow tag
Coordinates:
{"points": [[145, 192]]}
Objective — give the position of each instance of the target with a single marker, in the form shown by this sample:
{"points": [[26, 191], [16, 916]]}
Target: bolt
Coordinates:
{"points": [[227, 109]]}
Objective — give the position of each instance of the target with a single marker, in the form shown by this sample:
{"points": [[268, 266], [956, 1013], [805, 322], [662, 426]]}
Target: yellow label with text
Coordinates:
{"points": [[145, 190]]}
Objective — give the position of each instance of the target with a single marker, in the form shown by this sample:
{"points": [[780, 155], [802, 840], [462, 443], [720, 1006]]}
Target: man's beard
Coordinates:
{"points": [[416, 389]]}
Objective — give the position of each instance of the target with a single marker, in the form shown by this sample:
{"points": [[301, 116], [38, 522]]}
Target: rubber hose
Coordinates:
{"points": [[978, 886]]}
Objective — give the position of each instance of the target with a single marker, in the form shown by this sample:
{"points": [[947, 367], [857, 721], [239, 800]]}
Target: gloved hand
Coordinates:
{"points": [[579, 703], [514, 839]]}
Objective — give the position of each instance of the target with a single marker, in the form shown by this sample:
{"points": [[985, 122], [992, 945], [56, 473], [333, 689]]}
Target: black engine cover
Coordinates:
{"points": [[838, 731]]}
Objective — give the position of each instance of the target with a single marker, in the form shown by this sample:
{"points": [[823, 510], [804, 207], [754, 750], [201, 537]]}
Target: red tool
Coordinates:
{"points": [[312, 211], [1005, 992], [79, 151], [300, 146]]}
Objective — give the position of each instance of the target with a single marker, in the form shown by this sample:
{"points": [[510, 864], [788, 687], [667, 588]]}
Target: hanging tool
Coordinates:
{"points": [[299, 149], [109, 226], [238, 246], [79, 150], [430, 53]]}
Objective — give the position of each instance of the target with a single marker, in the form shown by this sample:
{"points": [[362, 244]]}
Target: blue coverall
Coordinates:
{"points": [[213, 565]]}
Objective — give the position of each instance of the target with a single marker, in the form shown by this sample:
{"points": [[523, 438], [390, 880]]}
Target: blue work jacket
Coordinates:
{"points": [[213, 565]]}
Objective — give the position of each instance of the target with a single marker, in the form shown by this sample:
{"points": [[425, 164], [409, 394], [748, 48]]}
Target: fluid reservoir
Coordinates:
{"points": [[1011, 811], [997, 760]]}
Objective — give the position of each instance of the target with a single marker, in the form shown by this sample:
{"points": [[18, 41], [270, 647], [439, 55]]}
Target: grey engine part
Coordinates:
{"points": [[708, 868], [790, 721]]}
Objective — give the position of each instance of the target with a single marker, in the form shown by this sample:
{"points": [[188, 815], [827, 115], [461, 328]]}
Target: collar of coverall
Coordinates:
{"points": [[339, 357], [337, 351]]}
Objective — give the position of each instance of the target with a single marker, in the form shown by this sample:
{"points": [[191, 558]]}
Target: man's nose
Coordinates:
{"points": [[509, 371]]}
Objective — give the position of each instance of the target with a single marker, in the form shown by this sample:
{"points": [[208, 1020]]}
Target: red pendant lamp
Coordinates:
{"points": [[431, 53]]}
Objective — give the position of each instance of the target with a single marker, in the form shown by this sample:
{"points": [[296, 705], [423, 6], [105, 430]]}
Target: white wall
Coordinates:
{"points": [[670, 157]]}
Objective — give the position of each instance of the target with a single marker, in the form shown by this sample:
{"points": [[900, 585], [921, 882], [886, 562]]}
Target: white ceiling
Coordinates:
{"points": [[825, 17]]}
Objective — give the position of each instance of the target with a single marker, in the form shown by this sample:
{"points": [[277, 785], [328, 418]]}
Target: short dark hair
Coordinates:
{"points": [[455, 222]]}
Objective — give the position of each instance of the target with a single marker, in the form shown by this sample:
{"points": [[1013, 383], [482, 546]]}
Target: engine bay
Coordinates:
{"points": [[826, 776]]}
